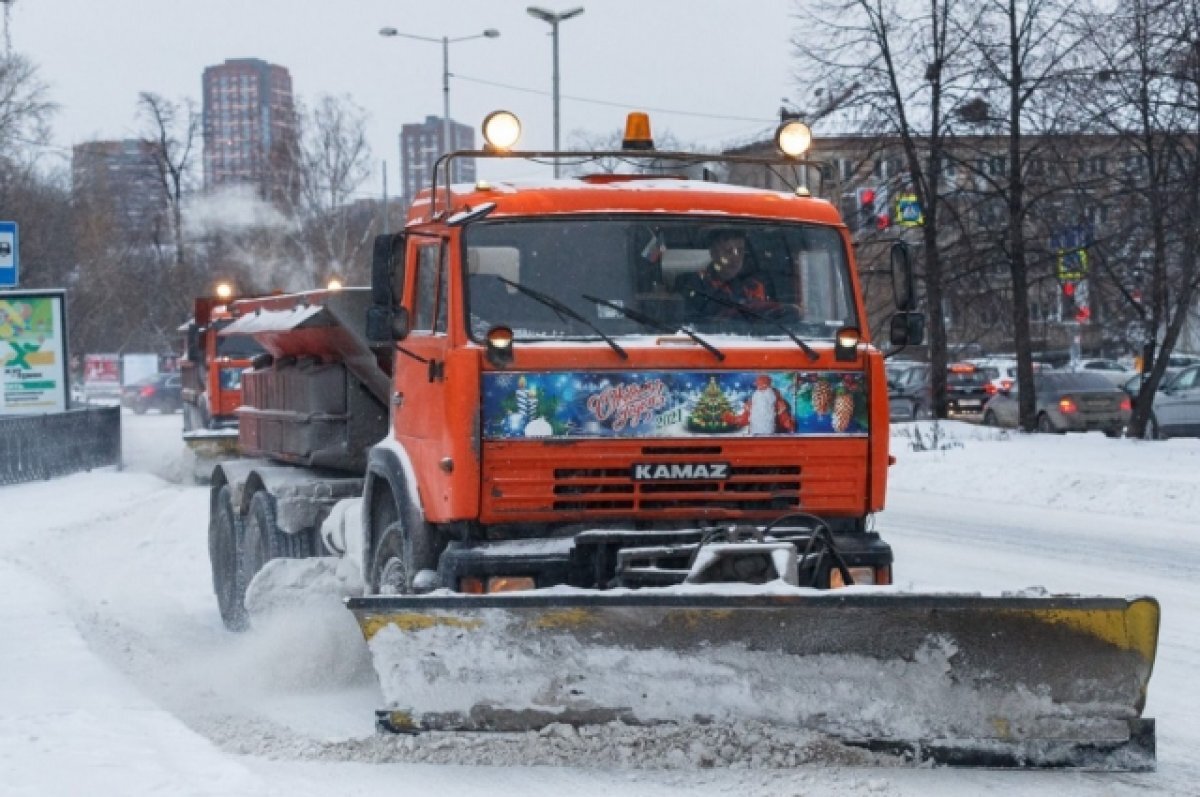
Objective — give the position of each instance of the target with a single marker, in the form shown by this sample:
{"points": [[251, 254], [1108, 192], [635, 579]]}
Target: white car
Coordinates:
{"points": [[1111, 370]]}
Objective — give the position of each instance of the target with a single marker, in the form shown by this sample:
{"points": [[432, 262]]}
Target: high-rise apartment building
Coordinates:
{"points": [[124, 177], [420, 147], [249, 125]]}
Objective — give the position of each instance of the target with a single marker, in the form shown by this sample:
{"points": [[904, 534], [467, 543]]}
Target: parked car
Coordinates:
{"points": [[966, 391], [900, 407], [1066, 401], [1133, 385], [160, 392], [1113, 371], [1176, 411]]}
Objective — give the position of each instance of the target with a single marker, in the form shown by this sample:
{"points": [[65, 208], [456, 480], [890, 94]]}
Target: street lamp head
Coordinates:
{"points": [[388, 31], [491, 33], [546, 15]]}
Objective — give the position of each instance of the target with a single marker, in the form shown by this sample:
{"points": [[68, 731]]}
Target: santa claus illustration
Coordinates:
{"points": [[766, 411]]}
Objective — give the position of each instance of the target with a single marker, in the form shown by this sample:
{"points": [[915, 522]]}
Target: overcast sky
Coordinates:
{"points": [[727, 59]]}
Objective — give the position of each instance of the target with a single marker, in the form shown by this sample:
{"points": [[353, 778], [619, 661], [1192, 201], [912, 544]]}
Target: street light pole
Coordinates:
{"points": [[490, 33], [553, 19]]}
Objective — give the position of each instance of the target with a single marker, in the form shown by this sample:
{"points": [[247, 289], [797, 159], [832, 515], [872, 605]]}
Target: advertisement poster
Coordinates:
{"points": [[675, 404], [33, 350], [101, 376]]}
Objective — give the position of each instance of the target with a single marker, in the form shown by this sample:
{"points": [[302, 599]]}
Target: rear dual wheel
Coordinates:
{"points": [[224, 555]]}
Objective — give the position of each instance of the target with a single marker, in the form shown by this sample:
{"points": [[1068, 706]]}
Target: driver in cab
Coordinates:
{"points": [[728, 276]]}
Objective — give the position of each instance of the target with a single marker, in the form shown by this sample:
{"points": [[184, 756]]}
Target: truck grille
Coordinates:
{"points": [[747, 489], [768, 477]]}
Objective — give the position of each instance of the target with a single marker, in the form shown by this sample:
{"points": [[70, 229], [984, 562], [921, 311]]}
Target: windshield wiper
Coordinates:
{"points": [[564, 310], [654, 323], [741, 308]]}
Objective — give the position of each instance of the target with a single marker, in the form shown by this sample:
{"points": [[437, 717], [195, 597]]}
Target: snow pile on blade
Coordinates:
{"points": [[1030, 681]]}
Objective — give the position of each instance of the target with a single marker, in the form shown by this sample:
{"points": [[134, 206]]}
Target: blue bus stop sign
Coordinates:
{"points": [[9, 273]]}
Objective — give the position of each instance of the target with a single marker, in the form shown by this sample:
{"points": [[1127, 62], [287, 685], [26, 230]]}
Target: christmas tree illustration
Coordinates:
{"points": [[712, 411]]}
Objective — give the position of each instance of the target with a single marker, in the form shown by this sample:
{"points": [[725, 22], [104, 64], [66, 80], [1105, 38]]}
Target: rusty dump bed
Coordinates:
{"points": [[964, 680]]}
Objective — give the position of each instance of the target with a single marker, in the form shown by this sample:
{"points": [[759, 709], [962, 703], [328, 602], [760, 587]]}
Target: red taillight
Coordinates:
{"points": [[1067, 406], [1126, 405], [1006, 384], [147, 391], [990, 389]]}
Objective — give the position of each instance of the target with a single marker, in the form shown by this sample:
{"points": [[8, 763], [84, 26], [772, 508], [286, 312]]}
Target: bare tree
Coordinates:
{"points": [[171, 135], [892, 75], [330, 161], [1146, 92], [1026, 49]]}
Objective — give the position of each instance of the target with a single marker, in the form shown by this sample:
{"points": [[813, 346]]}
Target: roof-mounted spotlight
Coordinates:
{"points": [[793, 138], [224, 291], [501, 130]]}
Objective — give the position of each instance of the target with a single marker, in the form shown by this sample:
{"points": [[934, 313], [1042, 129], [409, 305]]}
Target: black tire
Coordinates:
{"points": [[989, 419], [403, 549], [1045, 425], [263, 540], [224, 555], [920, 413]]}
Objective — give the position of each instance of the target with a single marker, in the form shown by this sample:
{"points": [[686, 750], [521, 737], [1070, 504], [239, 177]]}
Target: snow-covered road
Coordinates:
{"points": [[119, 679]]}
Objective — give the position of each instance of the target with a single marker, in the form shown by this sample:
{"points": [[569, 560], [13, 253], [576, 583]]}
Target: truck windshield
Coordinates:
{"points": [[753, 278]]}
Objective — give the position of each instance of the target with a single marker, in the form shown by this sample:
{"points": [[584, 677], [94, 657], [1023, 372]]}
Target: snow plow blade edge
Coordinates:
{"points": [[961, 680]]}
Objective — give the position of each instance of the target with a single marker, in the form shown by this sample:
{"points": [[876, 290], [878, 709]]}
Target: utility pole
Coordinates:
{"points": [[8, 26]]}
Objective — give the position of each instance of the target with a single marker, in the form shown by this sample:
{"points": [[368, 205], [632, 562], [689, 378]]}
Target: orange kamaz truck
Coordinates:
{"points": [[211, 373], [609, 448]]}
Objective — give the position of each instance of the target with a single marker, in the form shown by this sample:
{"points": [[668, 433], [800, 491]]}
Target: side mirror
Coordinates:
{"points": [[903, 292], [193, 353], [387, 325], [907, 329], [387, 269]]}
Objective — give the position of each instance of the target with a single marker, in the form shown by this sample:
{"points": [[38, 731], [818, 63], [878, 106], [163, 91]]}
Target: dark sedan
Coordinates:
{"points": [[160, 392]]}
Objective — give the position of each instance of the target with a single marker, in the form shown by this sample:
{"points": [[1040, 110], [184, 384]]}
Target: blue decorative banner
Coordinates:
{"points": [[673, 404]]}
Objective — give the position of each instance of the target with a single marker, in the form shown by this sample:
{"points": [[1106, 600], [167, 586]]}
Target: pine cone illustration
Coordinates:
{"points": [[843, 411], [822, 397]]}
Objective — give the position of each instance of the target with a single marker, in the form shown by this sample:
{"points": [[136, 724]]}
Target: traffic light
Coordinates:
{"points": [[866, 203]]}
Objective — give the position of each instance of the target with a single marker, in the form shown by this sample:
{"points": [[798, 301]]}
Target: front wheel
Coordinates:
{"points": [[405, 548], [989, 419], [1045, 425]]}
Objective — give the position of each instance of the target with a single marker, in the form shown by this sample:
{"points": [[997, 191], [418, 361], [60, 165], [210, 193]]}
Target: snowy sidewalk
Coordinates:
{"points": [[71, 725]]}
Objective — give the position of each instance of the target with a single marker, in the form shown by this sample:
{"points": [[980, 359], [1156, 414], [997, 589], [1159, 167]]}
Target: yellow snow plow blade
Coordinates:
{"points": [[968, 680], [212, 442]]}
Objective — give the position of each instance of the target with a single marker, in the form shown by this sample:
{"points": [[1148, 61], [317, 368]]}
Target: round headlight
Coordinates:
{"points": [[793, 138], [224, 291], [334, 284], [501, 129]]}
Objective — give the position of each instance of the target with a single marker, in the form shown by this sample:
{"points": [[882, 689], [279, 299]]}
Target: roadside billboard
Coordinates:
{"points": [[101, 376], [33, 350]]}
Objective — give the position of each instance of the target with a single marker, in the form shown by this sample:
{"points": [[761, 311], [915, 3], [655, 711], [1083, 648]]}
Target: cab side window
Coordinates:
{"points": [[430, 301]]}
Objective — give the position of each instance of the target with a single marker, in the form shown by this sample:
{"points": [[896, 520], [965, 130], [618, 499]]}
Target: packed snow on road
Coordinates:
{"points": [[120, 679]]}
